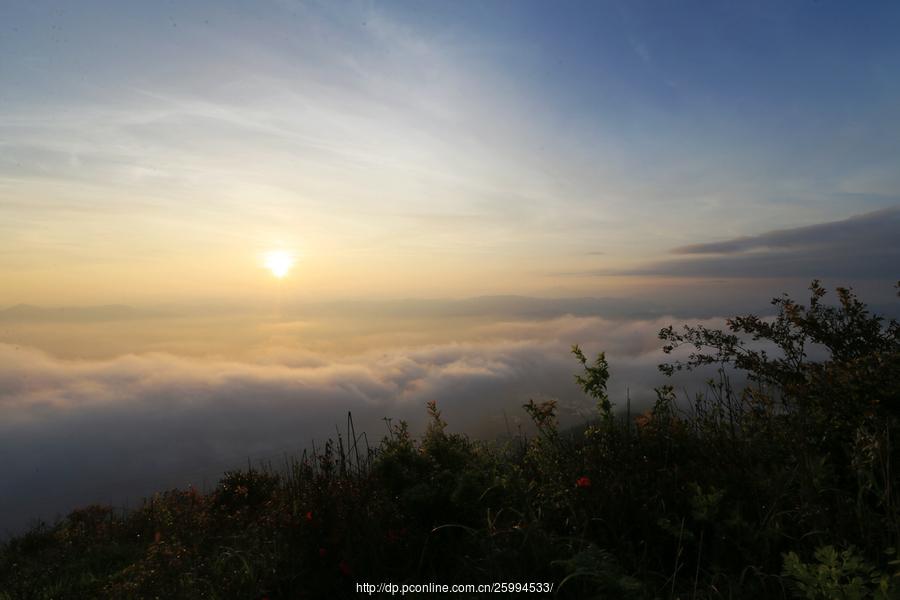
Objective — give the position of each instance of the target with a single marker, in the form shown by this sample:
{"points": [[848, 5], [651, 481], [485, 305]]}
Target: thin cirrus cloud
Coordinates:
{"points": [[184, 137]]}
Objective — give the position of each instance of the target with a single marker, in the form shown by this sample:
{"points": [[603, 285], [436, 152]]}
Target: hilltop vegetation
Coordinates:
{"points": [[786, 488]]}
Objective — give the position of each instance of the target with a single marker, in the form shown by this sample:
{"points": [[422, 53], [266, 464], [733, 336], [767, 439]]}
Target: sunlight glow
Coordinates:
{"points": [[279, 263]]}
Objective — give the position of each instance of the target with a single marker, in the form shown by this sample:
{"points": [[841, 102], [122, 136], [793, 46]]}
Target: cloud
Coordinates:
{"points": [[79, 431], [865, 246], [859, 231]]}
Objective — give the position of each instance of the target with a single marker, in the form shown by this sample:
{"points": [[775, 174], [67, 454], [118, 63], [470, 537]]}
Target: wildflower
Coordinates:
{"points": [[583, 482], [643, 419], [323, 552], [345, 568], [309, 515]]}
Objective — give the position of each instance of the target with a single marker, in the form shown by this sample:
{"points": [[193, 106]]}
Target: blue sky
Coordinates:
{"points": [[160, 148]]}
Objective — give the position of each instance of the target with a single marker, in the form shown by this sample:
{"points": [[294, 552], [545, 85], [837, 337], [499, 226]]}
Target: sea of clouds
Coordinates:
{"points": [[115, 429]]}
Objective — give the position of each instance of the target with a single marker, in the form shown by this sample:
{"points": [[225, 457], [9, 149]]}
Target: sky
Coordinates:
{"points": [[153, 152], [223, 225]]}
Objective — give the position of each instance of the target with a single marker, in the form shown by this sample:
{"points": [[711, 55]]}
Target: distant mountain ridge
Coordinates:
{"points": [[107, 312], [496, 306], [509, 306], [500, 305]]}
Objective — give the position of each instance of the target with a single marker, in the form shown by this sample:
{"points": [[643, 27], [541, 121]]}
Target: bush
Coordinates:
{"points": [[838, 575]]}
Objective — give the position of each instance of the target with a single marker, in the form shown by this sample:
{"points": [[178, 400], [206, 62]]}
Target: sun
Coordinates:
{"points": [[279, 263]]}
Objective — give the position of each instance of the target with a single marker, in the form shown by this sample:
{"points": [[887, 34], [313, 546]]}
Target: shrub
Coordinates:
{"points": [[838, 575]]}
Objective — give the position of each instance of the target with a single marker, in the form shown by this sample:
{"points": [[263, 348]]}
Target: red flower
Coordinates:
{"points": [[309, 515], [323, 552], [345, 568], [583, 482]]}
